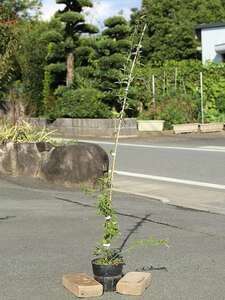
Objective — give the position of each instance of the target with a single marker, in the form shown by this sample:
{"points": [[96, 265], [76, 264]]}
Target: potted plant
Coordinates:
{"points": [[108, 262]]}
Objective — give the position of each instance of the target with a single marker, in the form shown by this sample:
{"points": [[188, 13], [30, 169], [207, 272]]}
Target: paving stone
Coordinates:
{"points": [[82, 285], [134, 283]]}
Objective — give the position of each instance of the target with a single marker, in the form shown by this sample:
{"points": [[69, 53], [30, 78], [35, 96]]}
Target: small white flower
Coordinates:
{"points": [[106, 245]]}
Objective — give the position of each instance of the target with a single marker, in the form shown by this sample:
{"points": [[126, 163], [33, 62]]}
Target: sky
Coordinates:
{"points": [[102, 9]]}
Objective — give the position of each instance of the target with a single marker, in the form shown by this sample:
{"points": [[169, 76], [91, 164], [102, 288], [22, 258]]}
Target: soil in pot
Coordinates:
{"points": [[107, 275]]}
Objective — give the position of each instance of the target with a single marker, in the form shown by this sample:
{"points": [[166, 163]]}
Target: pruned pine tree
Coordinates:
{"points": [[74, 26], [113, 47], [64, 41]]}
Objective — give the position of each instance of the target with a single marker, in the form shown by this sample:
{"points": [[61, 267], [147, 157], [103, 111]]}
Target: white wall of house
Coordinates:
{"points": [[210, 38]]}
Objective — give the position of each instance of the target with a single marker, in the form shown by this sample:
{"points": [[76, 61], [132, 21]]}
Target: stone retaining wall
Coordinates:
{"points": [[67, 165], [88, 127]]}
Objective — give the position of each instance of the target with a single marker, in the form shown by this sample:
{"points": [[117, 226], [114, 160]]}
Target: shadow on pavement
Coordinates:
{"points": [[133, 230], [146, 219], [6, 218]]}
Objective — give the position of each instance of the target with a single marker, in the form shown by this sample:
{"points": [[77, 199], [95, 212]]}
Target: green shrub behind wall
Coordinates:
{"points": [[177, 83], [79, 103]]}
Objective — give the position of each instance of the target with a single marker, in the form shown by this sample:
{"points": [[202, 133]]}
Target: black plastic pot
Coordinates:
{"points": [[107, 275]]}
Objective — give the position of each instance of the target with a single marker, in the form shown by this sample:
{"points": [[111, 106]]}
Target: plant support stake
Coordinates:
{"points": [[202, 97], [164, 83], [126, 90], [175, 80], [153, 90]]}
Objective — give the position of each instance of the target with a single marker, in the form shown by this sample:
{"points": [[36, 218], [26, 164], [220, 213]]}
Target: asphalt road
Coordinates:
{"points": [[187, 171], [46, 232], [195, 161]]}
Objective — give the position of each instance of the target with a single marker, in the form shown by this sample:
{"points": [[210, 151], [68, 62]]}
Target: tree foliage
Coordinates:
{"points": [[13, 13], [60, 69], [12, 10], [31, 60], [64, 41], [112, 48], [171, 26], [79, 103], [177, 91]]}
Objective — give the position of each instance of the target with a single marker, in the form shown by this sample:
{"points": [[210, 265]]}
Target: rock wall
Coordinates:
{"points": [[67, 165]]}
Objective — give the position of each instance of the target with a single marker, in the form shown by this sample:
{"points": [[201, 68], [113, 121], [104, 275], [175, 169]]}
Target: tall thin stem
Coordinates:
{"points": [[125, 97]]}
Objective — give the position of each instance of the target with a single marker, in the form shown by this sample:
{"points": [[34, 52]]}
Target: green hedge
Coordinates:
{"points": [[79, 103]]}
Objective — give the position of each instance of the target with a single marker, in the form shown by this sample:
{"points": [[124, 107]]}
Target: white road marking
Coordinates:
{"points": [[203, 149], [173, 180], [214, 148]]}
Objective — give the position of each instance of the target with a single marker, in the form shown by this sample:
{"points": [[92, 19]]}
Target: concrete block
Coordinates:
{"points": [[82, 285], [134, 283], [185, 128], [150, 125], [211, 127]]}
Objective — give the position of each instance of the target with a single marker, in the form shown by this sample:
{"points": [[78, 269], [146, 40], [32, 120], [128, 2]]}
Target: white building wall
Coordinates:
{"points": [[210, 38]]}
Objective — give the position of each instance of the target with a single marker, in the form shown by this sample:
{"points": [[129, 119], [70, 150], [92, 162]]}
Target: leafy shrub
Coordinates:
{"points": [[177, 81], [214, 116], [80, 103], [174, 110], [178, 111]]}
